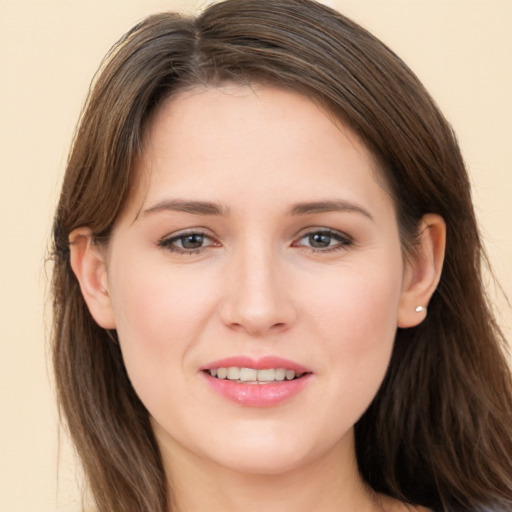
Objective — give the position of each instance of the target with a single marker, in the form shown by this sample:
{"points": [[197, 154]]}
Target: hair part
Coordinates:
{"points": [[438, 432]]}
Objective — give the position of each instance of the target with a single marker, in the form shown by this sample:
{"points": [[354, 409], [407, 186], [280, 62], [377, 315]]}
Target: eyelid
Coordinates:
{"points": [[344, 240], [167, 241]]}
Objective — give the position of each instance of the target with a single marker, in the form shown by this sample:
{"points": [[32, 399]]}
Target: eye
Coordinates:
{"points": [[186, 243], [324, 240]]}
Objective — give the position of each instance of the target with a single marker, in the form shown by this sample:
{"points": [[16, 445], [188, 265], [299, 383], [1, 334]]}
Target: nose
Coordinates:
{"points": [[257, 297]]}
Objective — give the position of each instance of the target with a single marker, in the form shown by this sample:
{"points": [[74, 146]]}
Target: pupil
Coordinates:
{"points": [[192, 241], [320, 240]]}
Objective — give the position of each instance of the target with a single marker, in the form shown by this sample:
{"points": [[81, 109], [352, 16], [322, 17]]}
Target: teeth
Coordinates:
{"points": [[280, 373], [233, 373], [266, 375], [290, 374], [248, 374], [253, 376]]}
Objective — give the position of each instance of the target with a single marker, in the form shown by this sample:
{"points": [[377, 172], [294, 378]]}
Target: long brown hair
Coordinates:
{"points": [[438, 433]]}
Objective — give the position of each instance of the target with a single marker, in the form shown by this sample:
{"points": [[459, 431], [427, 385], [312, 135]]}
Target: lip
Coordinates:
{"points": [[258, 364], [257, 395]]}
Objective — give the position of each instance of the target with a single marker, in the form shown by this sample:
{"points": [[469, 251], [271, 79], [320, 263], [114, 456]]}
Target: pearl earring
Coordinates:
{"points": [[419, 309]]}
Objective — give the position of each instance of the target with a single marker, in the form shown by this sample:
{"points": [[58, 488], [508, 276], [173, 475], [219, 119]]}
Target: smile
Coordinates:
{"points": [[264, 382], [254, 376]]}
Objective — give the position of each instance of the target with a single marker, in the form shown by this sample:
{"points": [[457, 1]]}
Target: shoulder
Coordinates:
{"points": [[389, 504]]}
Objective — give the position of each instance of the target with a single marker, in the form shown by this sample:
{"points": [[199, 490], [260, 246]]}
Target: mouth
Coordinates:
{"points": [[263, 382], [253, 375]]}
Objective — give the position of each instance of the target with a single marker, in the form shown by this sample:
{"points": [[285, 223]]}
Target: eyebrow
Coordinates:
{"points": [[337, 205], [193, 207], [210, 208]]}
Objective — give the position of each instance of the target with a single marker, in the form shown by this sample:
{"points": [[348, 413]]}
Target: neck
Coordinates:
{"points": [[331, 482]]}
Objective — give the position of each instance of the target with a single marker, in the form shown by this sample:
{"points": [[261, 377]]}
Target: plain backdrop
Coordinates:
{"points": [[49, 50]]}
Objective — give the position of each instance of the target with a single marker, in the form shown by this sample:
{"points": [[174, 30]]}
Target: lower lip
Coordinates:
{"points": [[258, 395]]}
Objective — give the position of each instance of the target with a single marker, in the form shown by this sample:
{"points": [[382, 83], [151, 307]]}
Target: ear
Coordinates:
{"points": [[422, 271], [88, 264]]}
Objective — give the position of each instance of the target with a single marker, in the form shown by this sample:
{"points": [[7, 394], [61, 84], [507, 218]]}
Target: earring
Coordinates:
{"points": [[419, 309]]}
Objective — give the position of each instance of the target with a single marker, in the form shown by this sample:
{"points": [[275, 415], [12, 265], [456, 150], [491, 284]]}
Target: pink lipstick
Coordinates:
{"points": [[263, 382]]}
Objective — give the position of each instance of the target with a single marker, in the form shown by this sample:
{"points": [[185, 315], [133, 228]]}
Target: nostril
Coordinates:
{"points": [[278, 326]]}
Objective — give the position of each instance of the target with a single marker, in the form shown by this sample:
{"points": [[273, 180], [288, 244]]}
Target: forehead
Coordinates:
{"points": [[253, 109], [246, 138]]}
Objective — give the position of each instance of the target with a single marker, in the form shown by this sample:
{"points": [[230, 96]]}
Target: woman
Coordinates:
{"points": [[267, 277]]}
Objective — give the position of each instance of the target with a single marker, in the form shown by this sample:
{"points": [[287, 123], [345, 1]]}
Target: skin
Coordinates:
{"points": [[257, 287]]}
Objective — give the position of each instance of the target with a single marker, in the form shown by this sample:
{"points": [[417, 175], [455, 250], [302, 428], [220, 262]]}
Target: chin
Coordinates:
{"points": [[253, 461], [267, 452]]}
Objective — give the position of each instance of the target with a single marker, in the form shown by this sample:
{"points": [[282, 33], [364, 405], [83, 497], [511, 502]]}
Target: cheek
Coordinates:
{"points": [[155, 298], [357, 301], [357, 321], [159, 318], [355, 324]]}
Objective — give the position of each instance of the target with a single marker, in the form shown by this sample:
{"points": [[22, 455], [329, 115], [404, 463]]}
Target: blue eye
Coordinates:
{"points": [[187, 243], [324, 240]]}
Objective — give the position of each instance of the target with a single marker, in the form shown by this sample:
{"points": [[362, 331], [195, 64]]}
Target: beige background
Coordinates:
{"points": [[49, 50]]}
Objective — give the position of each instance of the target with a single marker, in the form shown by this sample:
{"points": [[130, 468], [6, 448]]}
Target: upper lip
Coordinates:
{"points": [[261, 363]]}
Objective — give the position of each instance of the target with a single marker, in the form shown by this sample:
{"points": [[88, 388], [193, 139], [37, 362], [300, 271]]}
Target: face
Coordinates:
{"points": [[255, 279]]}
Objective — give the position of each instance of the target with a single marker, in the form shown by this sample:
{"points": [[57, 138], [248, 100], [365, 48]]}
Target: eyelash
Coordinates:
{"points": [[343, 240], [168, 243]]}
